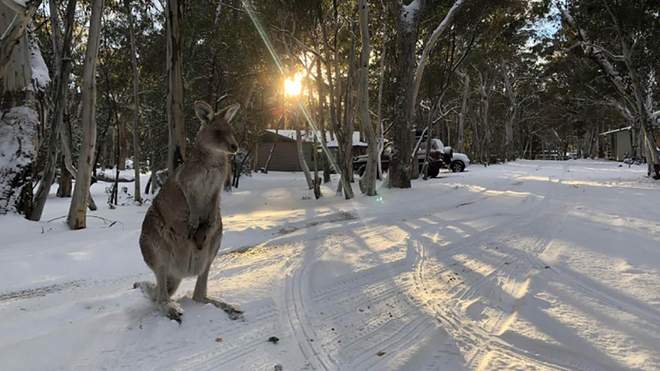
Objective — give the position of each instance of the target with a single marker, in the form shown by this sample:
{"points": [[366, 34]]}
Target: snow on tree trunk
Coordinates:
{"points": [[78, 209], [22, 72], [17, 153]]}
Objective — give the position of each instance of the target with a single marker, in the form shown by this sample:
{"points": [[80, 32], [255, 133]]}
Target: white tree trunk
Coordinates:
{"points": [[447, 21], [18, 118], [78, 209]]}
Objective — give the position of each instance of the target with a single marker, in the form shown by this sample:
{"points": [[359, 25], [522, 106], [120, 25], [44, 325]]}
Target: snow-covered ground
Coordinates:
{"points": [[530, 265]]}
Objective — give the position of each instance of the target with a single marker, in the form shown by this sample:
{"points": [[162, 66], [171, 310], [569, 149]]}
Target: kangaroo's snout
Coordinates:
{"points": [[233, 148]]}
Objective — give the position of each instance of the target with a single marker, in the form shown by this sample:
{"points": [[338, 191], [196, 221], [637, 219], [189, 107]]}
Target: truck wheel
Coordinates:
{"points": [[457, 166]]}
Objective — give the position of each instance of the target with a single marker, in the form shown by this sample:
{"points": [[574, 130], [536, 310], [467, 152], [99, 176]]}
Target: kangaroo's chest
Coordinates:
{"points": [[202, 192]]}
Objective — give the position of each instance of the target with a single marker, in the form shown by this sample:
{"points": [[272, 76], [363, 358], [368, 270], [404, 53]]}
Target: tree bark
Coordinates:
{"points": [[78, 209], [62, 51], [137, 195], [511, 117], [301, 158], [460, 144], [177, 132], [11, 35], [407, 35], [368, 179], [19, 120]]}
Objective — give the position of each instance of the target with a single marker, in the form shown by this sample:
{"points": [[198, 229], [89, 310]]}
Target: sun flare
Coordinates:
{"points": [[293, 85]]}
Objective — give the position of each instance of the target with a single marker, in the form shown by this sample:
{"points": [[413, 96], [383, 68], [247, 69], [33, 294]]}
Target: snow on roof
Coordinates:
{"points": [[616, 130], [308, 136]]}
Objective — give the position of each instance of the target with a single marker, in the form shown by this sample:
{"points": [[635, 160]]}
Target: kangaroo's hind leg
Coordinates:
{"points": [[201, 296], [167, 306], [200, 293]]}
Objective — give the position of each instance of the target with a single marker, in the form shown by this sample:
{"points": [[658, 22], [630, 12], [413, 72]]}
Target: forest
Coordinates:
{"points": [[329, 185], [98, 84]]}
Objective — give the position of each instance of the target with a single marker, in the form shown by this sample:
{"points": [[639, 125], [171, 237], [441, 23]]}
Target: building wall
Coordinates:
{"points": [[623, 145], [285, 156]]}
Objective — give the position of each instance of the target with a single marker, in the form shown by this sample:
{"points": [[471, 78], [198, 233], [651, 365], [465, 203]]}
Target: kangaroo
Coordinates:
{"points": [[182, 230]]}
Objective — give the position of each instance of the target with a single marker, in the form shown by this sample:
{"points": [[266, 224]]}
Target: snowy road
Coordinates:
{"points": [[531, 265]]}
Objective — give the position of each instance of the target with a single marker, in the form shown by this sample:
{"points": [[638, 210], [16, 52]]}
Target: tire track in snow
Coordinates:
{"points": [[241, 339], [294, 313], [475, 342]]}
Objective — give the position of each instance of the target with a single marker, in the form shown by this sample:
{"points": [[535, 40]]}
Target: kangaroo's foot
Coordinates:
{"points": [[233, 312], [148, 288], [171, 310]]}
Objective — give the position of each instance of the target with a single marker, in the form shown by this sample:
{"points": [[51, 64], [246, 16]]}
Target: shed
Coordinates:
{"points": [[284, 157], [618, 143], [282, 144]]}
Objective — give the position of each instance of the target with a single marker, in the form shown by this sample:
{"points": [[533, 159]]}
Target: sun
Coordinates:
{"points": [[293, 85]]}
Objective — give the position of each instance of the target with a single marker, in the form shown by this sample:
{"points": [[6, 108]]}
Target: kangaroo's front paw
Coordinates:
{"points": [[172, 310], [148, 288]]}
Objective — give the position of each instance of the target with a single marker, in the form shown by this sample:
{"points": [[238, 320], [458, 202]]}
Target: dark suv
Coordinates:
{"points": [[440, 157]]}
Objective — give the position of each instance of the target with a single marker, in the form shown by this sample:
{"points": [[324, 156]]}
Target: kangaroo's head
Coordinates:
{"points": [[216, 135]]}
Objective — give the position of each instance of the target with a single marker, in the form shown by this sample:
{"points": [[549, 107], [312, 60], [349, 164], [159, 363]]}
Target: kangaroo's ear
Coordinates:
{"points": [[230, 112], [203, 111]]}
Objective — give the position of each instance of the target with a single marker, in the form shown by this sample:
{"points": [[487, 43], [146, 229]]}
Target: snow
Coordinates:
{"points": [[529, 265], [40, 77], [409, 12], [17, 128]]}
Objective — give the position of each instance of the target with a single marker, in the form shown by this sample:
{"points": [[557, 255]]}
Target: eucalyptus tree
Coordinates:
{"points": [[23, 78], [77, 210], [621, 38]]}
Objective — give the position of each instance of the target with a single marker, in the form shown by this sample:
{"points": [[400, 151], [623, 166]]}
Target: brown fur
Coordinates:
{"points": [[182, 230]]}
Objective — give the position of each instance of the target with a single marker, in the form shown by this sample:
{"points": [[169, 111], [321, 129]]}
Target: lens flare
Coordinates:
{"points": [[293, 85]]}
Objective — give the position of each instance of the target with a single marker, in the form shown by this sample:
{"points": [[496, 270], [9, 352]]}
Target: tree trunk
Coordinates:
{"points": [[62, 51], [65, 185], [13, 29], [447, 21], [379, 126], [512, 114], [137, 196], [78, 210], [19, 120], [301, 158], [485, 107], [407, 35], [368, 179], [177, 132], [460, 144]]}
